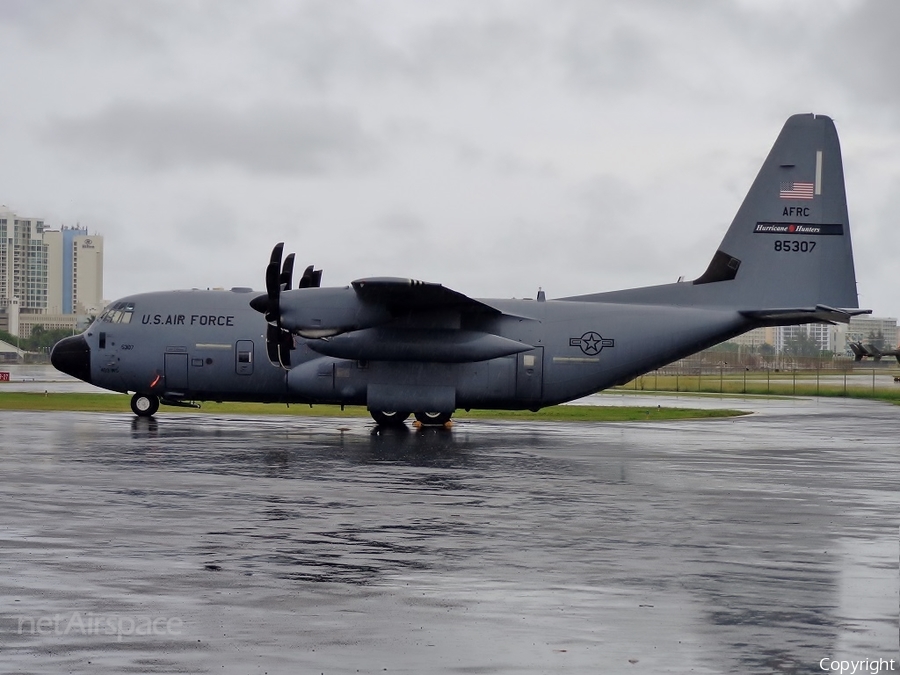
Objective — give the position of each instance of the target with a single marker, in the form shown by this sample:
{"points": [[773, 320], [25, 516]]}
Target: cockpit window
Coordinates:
{"points": [[120, 312]]}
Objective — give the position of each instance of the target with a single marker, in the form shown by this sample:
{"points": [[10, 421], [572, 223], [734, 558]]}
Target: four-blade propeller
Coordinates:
{"points": [[279, 277]]}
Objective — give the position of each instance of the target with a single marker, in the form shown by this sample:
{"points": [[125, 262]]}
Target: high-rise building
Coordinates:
{"points": [[74, 271], [23, 262], [54, 275]]}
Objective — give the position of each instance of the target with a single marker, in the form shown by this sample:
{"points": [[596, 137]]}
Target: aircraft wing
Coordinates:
{"points": [[408, 295], [805, 314]]}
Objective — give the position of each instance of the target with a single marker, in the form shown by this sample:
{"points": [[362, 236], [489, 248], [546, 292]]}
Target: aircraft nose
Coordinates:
{"points": [[72, 355]]}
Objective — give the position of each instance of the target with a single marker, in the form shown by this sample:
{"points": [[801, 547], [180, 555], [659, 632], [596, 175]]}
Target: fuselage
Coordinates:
{"points": [[211, 345]]}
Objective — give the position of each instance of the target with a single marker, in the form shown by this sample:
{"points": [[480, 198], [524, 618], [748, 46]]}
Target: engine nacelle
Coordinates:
{"points": [[324, 312], [418, 345]]}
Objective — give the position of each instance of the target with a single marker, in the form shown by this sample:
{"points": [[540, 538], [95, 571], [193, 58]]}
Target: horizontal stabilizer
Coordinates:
{"points": [[821, 313]]}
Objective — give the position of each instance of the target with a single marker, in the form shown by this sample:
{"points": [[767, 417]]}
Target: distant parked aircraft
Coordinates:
{"points": [[861, 351]]}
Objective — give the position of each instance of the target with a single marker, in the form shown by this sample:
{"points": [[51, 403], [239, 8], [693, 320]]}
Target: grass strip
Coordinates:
{"points": [[758, 386], [116, 403]]}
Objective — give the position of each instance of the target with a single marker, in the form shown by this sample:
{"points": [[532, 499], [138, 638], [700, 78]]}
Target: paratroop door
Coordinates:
{"points": [[176, 372], [530, 374]]}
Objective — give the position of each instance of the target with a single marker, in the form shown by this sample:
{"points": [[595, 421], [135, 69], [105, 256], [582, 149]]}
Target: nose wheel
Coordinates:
{"points": [[144, 405]]}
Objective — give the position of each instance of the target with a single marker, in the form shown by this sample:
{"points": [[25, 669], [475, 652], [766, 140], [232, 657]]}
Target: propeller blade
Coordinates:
{"points": [[273, 291], [287, 273], [285, 345], [273, 278], [276, 253], [305, 279], [272, 333], [279, 342], [312, 278]]}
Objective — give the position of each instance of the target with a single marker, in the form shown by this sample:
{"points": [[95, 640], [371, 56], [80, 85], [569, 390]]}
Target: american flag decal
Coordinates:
{"points": [[796, 190]]}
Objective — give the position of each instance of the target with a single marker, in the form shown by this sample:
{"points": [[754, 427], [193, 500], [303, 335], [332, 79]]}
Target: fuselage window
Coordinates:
{"points": [[244, 357]]}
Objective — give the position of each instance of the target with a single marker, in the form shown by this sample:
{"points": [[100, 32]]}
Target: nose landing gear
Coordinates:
{"points": [[144, 405]]}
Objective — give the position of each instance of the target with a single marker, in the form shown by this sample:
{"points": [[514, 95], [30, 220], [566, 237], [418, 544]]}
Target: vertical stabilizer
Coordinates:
{"points": [[789, 244], [788, 247]]}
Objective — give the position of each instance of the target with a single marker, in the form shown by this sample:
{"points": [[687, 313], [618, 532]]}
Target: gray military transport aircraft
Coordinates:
{"points": [[399, 346]]}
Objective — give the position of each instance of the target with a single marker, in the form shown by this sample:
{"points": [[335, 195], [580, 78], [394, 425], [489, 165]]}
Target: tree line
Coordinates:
{"points": [[40, 340]]}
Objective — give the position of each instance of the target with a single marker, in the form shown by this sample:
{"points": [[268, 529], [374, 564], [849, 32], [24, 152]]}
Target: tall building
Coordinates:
{"points": [[74, 271], [47, 277], [23, 262]]}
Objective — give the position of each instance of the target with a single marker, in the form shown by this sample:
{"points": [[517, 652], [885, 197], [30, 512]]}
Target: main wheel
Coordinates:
{"points": [[389, 418], [434, 418], [144, 405]]}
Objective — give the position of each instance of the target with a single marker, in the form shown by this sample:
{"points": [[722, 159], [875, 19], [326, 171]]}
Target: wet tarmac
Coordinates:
{"points": [[44, 377], [282, 545]]}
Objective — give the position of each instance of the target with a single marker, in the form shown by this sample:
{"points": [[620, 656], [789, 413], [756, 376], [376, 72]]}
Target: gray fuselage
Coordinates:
{"points": [[211, 345]]}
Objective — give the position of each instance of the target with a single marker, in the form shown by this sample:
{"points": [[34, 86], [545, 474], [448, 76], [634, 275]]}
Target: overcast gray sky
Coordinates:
{"points": [[490, 146]]}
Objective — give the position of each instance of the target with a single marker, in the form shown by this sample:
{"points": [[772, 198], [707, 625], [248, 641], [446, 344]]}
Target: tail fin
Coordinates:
{"points": [[789, 244], [787, 256]]}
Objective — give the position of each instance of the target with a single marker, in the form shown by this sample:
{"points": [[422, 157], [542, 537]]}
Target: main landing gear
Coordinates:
{"points": [[395, 418], [388, 418], [433, 418], [144, 405]]}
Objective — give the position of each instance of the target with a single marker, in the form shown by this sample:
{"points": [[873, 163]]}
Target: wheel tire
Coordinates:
{"points": [[144, 405], [433, 418], [389, 418]]}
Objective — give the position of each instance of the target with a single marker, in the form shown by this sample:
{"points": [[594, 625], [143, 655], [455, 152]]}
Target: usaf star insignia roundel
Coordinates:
{"points": [[591, 343]]}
